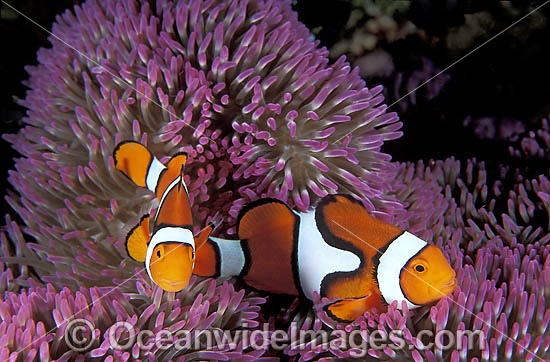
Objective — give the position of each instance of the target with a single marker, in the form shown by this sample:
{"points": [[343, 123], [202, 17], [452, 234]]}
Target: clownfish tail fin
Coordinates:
{"points": [[138, 163], [137, 240], [181, 178], [178, 162]]}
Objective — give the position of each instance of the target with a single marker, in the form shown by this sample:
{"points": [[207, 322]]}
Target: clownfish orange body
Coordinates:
{"points": [[169, 249], [337, 250]]}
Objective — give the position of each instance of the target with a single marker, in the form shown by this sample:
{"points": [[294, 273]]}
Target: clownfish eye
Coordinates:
{"points": [[158, 253], [193, 254], [419, 268]]}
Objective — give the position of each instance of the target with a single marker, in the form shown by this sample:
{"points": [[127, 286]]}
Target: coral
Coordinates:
{"points": [[39, 322], [534, 145], [372, 23], [480, 25], [374, 33], [427, 80], [506, 129]]}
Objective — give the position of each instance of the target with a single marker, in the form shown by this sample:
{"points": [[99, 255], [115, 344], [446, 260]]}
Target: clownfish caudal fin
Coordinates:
{"points": [[181, 178], [138, 164], [176, 165], [177, 162], [348, 310], [137, 240]]}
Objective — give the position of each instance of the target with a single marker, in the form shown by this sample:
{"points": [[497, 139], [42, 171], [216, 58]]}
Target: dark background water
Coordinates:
{"points": [[505, 83]]}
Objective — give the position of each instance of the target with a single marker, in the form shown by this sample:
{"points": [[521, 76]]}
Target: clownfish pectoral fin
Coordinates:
{"points": [[348, 310], [138, 164], [205, 233], [202, 237], [138, 240]]}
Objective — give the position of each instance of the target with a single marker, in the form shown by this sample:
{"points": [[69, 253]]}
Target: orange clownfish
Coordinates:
{"points": [[169, 250], [337, 250]]}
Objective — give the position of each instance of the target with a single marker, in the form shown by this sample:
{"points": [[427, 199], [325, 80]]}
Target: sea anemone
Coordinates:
{"points": [[244, 90], [38, 323], [238, 84]]}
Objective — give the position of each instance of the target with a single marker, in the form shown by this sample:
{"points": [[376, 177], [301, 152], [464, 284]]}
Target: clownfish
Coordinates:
{"points": [[169, 250], [337, 250]]}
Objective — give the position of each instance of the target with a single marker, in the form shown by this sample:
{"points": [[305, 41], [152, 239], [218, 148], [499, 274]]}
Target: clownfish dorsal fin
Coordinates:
{"points": [[263, 216], [133, 159], [347, 219], [348, 310], [264, 226], [138, 239]]}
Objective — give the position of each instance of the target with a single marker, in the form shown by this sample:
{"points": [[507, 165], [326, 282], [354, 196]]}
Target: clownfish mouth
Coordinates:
{"points": [[451, 284], [172, 285]]}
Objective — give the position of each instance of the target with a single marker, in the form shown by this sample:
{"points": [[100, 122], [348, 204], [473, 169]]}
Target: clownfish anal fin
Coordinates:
{"points": [[133, 159], [348, 310], [138, 239]]}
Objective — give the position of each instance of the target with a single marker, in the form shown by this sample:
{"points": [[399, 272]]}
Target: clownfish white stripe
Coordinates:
{"points": [[173, 234], [314, 252], [396, 256], [233, 260], [155, 168], [167, 191], [166, 235]]}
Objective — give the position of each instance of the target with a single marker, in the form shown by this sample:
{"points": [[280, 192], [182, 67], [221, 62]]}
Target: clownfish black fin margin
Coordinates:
{"points": [[178, 161], [264, 215], [133, 159], [137, 240], [348, 310]]}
